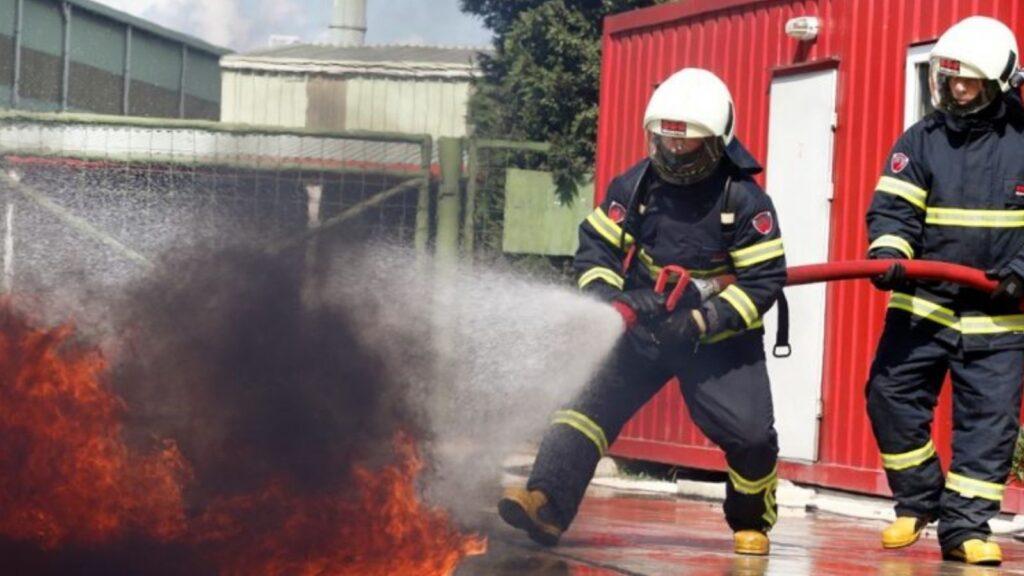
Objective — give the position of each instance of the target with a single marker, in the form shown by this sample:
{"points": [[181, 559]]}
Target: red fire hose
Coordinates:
{"points": [[916, 269], [825, 272]]}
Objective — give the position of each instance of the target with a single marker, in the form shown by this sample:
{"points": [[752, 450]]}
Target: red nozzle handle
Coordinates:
{"points": [[677, 291], [627, 313]]}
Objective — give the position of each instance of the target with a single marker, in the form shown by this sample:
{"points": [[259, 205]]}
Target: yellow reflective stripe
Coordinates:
{"points": [[585, 426], [757, 253], [903, 189], [972, 488], [969, 325], [607, 228], [974, 218], [905, 460], [744, 486], [730, 333], [739, 300], [699, 274], [654, 270], [894, 242], [924, 309], [606, 274], [992, 324], [770, 513]]}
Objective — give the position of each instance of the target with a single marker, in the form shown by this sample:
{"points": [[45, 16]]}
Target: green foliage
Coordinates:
{"points": [[1017, 464], [542, 81]]}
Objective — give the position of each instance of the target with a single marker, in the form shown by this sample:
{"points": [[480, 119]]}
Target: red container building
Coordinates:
{"points": [[821, 115]]}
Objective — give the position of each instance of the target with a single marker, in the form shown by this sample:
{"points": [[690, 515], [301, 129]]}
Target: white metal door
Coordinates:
{"points": [[801, 126]]}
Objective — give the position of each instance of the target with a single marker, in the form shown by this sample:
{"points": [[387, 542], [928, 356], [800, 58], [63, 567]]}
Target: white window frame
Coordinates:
{"points": [[916, 55]]}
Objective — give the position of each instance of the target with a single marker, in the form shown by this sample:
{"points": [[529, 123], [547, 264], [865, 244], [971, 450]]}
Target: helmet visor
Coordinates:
{"points": [[959, 90], [684, 161]]}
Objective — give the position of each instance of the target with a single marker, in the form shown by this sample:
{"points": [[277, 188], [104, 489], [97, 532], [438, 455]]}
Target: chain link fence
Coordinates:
{"points": [[512, 215], [103, 196]]}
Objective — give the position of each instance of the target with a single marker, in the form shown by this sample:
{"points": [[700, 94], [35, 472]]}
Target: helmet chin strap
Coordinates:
{"points": [[1017, 78]]}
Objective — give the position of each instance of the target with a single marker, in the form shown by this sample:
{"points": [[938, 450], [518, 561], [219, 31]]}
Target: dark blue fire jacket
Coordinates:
{"points": [[692, 227], [953, 190]]}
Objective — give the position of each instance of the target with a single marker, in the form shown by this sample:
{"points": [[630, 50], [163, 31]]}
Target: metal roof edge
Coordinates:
{"points": [[663, 13], [141, 24], [405, 69]]}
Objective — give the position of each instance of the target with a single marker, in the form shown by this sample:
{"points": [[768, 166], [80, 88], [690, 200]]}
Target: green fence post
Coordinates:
{"points": [[422, 234], [450, 158], [469, 218]]}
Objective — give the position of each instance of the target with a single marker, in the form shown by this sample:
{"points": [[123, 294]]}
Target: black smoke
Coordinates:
{"points": [[256, 374]]}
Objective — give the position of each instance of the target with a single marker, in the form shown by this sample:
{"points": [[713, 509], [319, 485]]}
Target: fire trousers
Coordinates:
{"points": [[906, 377], [726, 389]]}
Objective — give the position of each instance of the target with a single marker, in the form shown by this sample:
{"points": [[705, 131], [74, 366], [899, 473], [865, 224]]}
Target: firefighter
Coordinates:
{"points": [[693, 203], [953, 190]]}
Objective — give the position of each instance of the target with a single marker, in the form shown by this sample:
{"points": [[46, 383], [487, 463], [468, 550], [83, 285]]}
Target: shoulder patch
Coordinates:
{"points": [[617, 213], [898, 162], [763, 222]]}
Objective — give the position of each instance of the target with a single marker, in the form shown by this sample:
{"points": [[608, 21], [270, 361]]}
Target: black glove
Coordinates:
{"points": [[1011, 285], [892, 278], [647, 304], [682, 329]]}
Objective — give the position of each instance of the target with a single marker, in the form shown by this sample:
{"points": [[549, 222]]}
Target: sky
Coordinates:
{"points": [[244, 25]]}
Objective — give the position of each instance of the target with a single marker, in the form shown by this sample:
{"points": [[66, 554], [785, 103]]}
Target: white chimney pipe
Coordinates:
{"points": [[348, 25]]}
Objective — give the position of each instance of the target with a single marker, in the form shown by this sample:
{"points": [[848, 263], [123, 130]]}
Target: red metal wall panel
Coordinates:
{"points": [[743, 42]]}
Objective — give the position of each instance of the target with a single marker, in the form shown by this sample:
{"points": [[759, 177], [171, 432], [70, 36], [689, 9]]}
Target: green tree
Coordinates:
{"points": [[541, 82]]}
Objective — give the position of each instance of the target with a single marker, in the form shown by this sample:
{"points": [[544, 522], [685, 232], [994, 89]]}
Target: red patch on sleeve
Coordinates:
{"points": [[617, 213], [763, 223], [898, 162]]}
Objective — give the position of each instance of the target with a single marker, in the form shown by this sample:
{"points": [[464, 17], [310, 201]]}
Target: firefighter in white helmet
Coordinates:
{"points": [[690, 202], [953, 190]]}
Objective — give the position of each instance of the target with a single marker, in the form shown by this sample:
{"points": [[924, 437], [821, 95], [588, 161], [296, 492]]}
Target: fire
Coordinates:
{"points": [[67, 478], [67, 475], [381, 528]]}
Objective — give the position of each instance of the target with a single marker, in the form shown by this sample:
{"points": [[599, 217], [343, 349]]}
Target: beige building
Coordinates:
{"points": [[405, 89]]}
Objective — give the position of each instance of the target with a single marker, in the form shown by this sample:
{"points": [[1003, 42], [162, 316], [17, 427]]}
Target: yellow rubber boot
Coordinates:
{"points": [[903, 532], [750, 542], [976, 551], [528, 510]]}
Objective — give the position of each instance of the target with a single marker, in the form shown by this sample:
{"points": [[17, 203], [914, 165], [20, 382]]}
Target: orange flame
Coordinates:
{"points": [[381, 528], [67, 476]]}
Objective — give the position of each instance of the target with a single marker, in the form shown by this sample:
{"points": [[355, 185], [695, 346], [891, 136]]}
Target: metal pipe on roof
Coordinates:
{"points": [[348, 24], [127, 90], [19, 11], [182, 80], [65, 57]]}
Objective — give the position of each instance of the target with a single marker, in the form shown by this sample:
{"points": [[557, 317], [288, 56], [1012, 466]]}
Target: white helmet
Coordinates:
{"points": [[976, 47], [691, 104]]}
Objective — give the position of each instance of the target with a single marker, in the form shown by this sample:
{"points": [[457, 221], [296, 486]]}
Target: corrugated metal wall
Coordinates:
{"points": [[171, 75], [743, 42], [264, 99], [405, 105]]}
